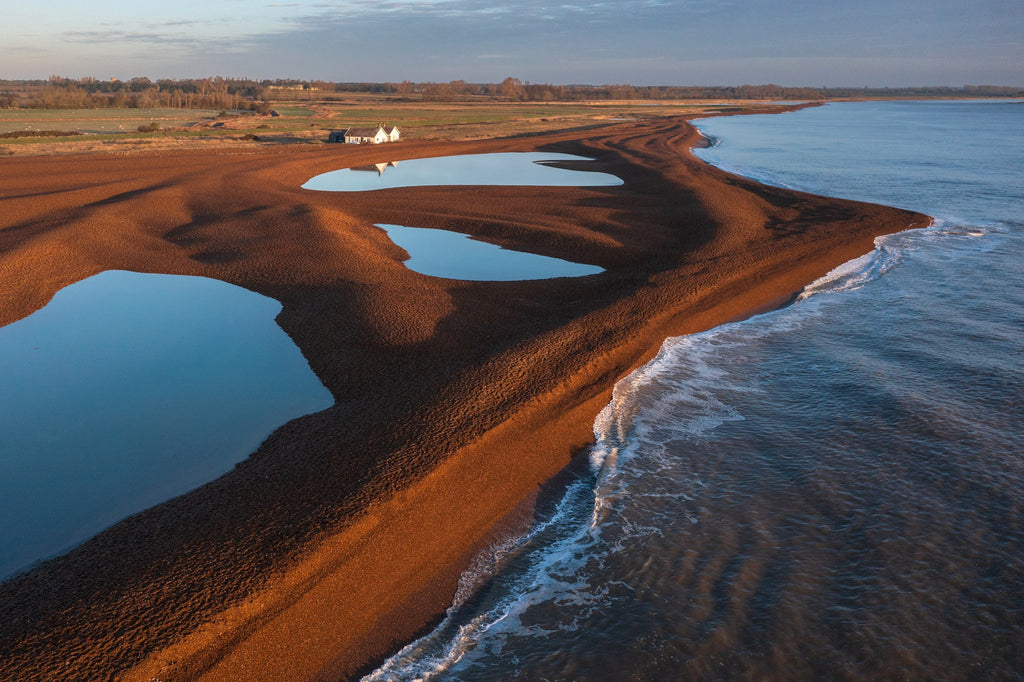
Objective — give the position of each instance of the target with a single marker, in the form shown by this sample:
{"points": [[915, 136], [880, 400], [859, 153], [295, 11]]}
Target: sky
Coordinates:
{"points": [[876, 43]]}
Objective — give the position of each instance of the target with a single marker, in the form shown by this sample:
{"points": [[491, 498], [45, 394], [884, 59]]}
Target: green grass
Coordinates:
{"points": [[295, 112], [433, 115]]}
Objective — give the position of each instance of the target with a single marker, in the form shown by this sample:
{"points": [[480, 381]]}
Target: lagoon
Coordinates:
{"points": [[508, 168], [440, 253], [128, 389]]}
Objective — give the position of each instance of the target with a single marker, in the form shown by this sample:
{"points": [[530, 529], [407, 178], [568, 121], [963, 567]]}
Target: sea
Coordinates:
{"points": [[830, 491]]}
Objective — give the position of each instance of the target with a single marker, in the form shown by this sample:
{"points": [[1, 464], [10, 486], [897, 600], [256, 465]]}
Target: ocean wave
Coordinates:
{"points": [[532, 569], [854, 274], [956, 235]]}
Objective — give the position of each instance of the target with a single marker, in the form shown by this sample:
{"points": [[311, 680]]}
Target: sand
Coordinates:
{"points": [[345, 533]]}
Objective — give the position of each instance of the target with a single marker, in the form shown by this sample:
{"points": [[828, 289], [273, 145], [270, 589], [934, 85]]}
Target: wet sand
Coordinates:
{"points": [[345, 533]]}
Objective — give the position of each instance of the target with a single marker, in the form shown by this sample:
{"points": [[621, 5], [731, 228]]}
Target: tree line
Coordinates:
{"points": [[512, 89], [137, 93], [244, 94]]}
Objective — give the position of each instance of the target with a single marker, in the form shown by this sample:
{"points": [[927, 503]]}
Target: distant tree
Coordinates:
{"points": [[139, 84], [511, 89]]}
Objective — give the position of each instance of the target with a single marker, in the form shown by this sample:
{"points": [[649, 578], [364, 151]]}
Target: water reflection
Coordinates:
{"points": [[379, 168], [129, 389], [440, 253]]}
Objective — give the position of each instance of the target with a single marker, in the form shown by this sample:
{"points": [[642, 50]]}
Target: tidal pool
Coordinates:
{"points": [[128, 389], [440, 253], [506, 168]]}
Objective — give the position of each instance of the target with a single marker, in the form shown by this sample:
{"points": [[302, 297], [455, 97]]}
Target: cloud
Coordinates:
{"points": [[114, 36], [181, 22], [525, 10], [180, 41]]}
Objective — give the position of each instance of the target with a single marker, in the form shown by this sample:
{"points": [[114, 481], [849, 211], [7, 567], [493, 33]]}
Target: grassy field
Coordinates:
{"points": [[96, 121], [310, 122]]}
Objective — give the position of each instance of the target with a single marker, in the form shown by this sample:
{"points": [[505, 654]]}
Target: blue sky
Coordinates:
{"points": [[669, 42]]}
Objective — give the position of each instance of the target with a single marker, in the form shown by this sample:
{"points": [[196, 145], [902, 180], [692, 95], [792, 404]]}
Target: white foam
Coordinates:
{"points": [[551, 569]]}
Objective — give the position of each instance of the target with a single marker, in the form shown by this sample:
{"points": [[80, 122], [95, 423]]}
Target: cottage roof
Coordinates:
{"points": [[362, 132], [390, 129]]}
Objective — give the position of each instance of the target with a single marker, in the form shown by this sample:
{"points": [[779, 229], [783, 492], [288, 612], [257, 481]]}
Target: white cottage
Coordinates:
{"points": [[377, 135]]}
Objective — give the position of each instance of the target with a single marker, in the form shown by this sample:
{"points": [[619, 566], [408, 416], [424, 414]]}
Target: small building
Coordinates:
{"points": [[366, 135], [370, 135]]}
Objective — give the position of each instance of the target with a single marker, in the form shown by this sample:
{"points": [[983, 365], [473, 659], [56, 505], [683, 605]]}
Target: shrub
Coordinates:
{"points": [[150, 127]]}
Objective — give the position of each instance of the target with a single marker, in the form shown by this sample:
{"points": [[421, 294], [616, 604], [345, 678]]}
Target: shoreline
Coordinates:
{"points": [[501, 381]]}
